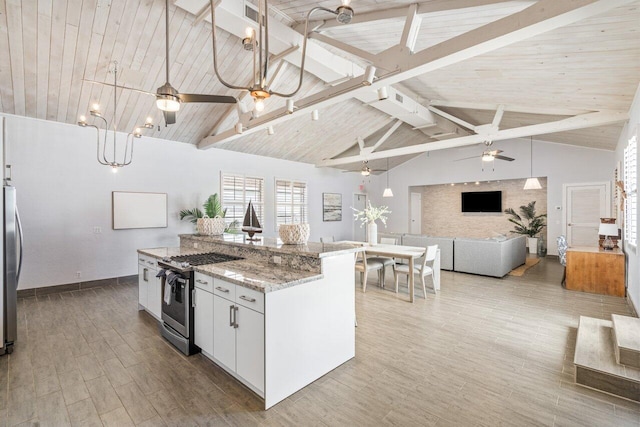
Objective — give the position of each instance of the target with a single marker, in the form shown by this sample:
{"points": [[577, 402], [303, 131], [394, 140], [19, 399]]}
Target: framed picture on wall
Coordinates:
{"points": [[331, 207]]}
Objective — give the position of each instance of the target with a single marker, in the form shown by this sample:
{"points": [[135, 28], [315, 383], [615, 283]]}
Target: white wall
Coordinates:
{"points": [[63, 193], [561, 164], [633, 257]]}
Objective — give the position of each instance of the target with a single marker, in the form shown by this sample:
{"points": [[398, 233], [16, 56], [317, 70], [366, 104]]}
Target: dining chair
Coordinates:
{"points": [[328, 239], [425, 269], [364, 266], [562, 255], [386, 261]]}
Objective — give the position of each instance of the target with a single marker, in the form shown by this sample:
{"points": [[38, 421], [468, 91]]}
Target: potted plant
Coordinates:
{"points": [[211, 221], [369, 216], [528, 224]]}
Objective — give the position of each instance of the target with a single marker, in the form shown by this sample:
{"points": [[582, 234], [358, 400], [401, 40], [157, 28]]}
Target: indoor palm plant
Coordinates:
{"points": [[212, 210], [369, 216], [528, 223]]}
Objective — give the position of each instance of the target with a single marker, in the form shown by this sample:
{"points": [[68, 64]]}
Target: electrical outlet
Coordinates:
{"points": [[78, 274], [97, 230], [195, 245], [277, 259]]}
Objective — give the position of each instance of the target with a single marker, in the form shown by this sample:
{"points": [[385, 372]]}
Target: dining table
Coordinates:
{"points": [[409, 253]]}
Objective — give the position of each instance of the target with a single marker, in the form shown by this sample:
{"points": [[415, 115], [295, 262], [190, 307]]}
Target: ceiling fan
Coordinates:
{"points": [[168, 99], [489, 155], [366, 170]]}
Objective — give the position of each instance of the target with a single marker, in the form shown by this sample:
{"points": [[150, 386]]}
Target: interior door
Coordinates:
{"points": [[416, 213], [359, 203], [585, 204]]}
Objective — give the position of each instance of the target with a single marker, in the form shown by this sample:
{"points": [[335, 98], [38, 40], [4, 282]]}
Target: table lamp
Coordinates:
{"points": [[608, 230]]}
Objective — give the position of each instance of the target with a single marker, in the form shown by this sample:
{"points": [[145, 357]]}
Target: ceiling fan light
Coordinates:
{"points": [[532, 184], [290, 106], [487, 157], [167, 103], [259, 104], [387, 193]]}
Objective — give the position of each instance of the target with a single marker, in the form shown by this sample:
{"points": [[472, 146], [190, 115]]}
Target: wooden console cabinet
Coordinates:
{"points": [[596, 270]]}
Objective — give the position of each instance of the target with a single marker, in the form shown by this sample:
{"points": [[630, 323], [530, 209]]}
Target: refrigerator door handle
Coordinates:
{"points": [[21, 247]]}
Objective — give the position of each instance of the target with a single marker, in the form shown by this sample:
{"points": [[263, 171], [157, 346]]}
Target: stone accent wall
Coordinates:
{"points": [[442, 211]]}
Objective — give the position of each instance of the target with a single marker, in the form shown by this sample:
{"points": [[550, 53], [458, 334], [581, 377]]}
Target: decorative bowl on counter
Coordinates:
{"points": [[210, 226], [294, 234]]}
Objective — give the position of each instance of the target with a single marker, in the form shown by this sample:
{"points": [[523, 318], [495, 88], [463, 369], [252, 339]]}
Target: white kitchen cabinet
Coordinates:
{"points": [[143, 285], [250, 346], [203, 321], [149, 290], [154, 294], [224, 333]]}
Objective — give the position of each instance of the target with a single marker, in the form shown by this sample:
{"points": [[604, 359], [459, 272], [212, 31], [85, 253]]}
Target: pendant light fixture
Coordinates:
{"points": [[257, 42], [532, 183], [387, 191], [127, 153]]}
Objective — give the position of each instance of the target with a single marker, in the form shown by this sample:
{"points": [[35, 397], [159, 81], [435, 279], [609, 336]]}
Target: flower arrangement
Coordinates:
{"points": [[370, 214]]}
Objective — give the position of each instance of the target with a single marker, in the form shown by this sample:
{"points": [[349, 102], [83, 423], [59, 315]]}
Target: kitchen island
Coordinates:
{"points": [[277, 319]]}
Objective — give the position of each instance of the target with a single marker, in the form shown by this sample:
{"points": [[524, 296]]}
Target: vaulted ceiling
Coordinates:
{"points": [[49, 50]]}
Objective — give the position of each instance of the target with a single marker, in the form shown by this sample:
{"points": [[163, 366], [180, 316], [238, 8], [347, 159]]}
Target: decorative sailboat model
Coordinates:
{"points": [[251, 225]]}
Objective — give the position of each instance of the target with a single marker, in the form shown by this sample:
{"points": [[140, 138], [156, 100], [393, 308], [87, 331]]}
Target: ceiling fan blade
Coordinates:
{"points": [[509, 159], [119, 87], [467, 158], [169, 117], [219, 99], [495, 152]]}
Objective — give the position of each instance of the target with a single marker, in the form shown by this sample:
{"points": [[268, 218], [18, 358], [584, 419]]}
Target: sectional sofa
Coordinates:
{"points": [[489, 257]]}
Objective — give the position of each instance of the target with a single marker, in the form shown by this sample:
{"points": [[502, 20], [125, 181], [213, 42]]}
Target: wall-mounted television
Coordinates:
{"points": [[482, 201]]}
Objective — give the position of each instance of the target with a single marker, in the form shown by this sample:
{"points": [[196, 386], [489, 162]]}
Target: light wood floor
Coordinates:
{"points": [[483, 351]]}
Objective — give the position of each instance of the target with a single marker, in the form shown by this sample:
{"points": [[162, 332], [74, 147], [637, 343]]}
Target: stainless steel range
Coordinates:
{"points": [[177, 296]]}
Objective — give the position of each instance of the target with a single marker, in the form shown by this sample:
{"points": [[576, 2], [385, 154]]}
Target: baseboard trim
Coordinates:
{"points": [[69, 287]]}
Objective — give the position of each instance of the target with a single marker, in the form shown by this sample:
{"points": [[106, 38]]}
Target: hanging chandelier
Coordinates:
{"points": [[258, 44], [127, 154]]}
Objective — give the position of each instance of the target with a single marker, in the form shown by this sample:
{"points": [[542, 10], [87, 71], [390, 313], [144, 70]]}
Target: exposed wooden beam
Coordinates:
{"points": [[399, 12], [543, 16], [601, 118], [387, 134], [411, 28], [536, 109], [498, 117], [344, 47], [451, 117]]}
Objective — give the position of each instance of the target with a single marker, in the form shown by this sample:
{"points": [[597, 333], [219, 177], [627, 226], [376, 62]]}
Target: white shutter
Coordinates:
{"points": [[237, 190], [291, 202], [631, 189]]}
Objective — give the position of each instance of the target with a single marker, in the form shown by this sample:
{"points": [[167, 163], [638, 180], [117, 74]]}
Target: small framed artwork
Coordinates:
{"points": [[331, 207]]}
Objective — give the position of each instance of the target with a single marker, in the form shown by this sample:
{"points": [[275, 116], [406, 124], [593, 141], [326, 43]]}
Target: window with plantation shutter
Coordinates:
{"points": [[291, 202], [631, 190], [237, 191]]}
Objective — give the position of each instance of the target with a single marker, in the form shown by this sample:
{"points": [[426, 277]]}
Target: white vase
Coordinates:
{"points": [[532, 242], [372, 233]]}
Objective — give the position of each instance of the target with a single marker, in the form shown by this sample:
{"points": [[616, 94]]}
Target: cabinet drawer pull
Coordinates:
{"points": [[202, 282], [149, 262], [221, 289], [247, 298]]}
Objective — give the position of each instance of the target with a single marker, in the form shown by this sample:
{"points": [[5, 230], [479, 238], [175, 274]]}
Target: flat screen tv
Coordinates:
{"points": [[482, 201]]}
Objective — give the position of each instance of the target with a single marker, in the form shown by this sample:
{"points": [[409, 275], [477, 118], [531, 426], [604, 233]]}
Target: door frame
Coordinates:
{"points": [[411, 193], [607, 186], [355, 223]]}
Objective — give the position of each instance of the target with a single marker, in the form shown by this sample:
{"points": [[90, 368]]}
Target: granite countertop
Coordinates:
{"points": [[311, 249], [251, 274]]}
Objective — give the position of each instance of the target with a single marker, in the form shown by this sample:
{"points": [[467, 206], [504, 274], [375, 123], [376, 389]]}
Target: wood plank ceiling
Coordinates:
{"points": [[47, 50]]}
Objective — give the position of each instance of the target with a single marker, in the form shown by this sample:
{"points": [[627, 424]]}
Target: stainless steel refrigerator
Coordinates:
{"points": [[12, 251]]}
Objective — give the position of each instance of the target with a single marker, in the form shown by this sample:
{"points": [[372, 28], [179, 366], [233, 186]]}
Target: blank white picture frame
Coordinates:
{"points": [[139, 210]]}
